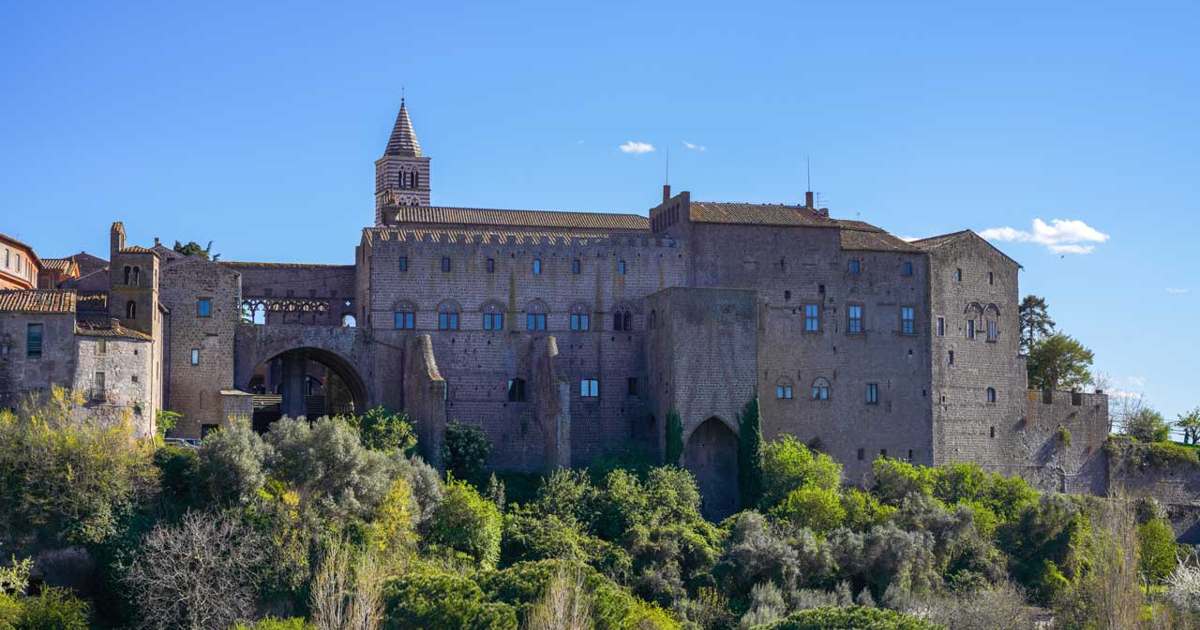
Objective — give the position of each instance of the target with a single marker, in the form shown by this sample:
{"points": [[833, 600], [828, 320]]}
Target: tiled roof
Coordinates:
{"points": [[273, 265], [755, 214], [138, 249], [61, 265], [519, 218], [875, 240], [403, 140], [37, 301], [489, 237], [92, 302], [108, 328]]}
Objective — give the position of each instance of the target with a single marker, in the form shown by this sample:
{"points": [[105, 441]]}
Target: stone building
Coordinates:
{"points": [[568, 336], [19, 266]]}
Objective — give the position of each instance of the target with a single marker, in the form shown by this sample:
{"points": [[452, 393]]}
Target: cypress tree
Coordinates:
{"points": [[750, 454], [674, 438]]}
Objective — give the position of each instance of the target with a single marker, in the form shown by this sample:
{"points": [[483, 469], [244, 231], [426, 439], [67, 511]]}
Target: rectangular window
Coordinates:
{"points": [[621, 267], [33, 340], [907, 320], [445, 264], [883, 453], [576, 266], [537, 266], [854, 325], [204, 307], [102, 347], [906, 269], [98, 386], [589, 388], [447, 321], [631, 386], [403, 263], [855, 266], [862, 452], [941, 327], [195, 358], [993, 330], [404, 320], [958, 274], [491, 265], [783, 392], [991, 278], [493, 321], [950, 358], [872, 393], [812, 318], [581, 321], [535, 321], [516, 390], [970, 329]]}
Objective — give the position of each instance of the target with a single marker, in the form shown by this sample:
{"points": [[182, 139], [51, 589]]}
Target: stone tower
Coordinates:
{"points": [[402, 174]]}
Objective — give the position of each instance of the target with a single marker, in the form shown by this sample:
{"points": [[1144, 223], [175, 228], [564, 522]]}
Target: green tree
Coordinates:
{"points": [[231, 464], [1147, 425], [465, 451], [1035, 321], [1157, 553], [789, 464], [192, 248], [1059, 362], [467, 523], [1190, 424], [382, 429], [674, 438], [819, 509], [442, 600], [750, 454]]}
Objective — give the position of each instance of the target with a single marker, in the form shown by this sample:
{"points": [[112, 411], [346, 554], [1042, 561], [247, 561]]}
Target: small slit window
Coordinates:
{"points": [[537, 266], [991, 394]]}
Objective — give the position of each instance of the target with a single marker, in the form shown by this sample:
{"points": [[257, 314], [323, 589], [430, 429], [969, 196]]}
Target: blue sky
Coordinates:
{"points": [[255, 125]]}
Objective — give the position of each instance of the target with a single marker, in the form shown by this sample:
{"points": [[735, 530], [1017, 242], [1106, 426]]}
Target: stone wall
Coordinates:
{"points": [[20, 373], [128, 392], [294, 289], [1164, 474]]}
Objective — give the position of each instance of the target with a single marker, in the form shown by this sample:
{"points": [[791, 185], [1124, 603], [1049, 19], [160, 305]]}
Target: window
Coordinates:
{"points": [[535, 316], [516, 390], [854, 325], [404, 320], [204, 307], [101, 347], [98, 386], [883, 453], [941, 327], [862, 453], [991, 278], [958, 274], [992, 432], [589, 388], [991, 394], [581, 321], [576, 267], [133, 378], [783, 392], [907, 320], [950, 357], [130, 310], [7, 258], [403, 266], [622, 319], [537, 266], [855, 266], [195, 358], [993, 330], [445, 264], [820, 389], [812, 318], [448, 316], [970, 329], [128, 274], [906, 268], [621, 267], [137, 276], [631, 386], [491, 265], [33, 340], [872, 393], [652, 321], [910, 456]]}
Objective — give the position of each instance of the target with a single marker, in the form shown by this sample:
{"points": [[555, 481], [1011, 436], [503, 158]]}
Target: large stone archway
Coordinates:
{"points": [[290, 375], [711, 454]]}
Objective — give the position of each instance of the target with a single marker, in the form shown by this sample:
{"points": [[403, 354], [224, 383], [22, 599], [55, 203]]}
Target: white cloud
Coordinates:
{"points": [[694, 147], [1061, 236], [1177, 291], [634, 146]]}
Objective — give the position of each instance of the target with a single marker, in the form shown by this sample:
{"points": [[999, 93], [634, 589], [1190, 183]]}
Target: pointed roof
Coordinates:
{"points": [[403, 140]]}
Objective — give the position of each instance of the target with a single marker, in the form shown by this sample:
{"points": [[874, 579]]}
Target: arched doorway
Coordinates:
{"points": [[308, 382], [711, 456]]}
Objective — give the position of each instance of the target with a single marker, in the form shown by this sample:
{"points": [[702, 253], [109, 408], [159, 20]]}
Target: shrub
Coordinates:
{"points": [[426, 485], [530, 536], [179, 471], [1157, 551], [1147, 425], [1002, 606], [53, 608], [231, 464], [851, 618], [274, 623], [442, 600], [465, 451], [895, 480], [1183, 587], [468, 523], [1043, 543], [818, 509], [766, 606], [755, 553], [863, 510], [789, 464], [381, 429], [392, 533]]}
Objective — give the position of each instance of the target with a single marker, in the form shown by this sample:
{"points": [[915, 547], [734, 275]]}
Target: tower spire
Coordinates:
{"points": [[403, 141]]}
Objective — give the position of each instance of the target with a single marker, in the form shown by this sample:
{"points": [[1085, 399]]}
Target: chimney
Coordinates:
{"points": [[808, 200], [116, 239], [666, 192]]}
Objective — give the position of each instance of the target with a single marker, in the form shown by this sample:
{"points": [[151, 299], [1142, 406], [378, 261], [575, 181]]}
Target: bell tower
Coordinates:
{"points": [[402, 174]]}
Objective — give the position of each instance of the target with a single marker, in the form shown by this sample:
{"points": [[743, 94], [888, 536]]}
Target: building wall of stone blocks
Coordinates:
{"points": [[195, 390], [128, 392], [332, 286], [1059, 447], [21, 374], [968, 427]]}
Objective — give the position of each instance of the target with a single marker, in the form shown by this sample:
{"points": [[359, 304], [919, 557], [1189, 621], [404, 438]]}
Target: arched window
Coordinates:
{"points": [[820, 388], [581, 317], [973, 313], [784, 389], [622, 319], [653, 321], [516, 390], [448, 315], [537, 266], [991, 316], [131, 310], [137, 276], [535, 316], [348, 321], [991, 394], [128, 272], [493, 316], [404, 316], [416, 180]]}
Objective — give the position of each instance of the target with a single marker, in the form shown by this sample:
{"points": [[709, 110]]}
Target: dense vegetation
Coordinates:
{"points": [[336, 524]]}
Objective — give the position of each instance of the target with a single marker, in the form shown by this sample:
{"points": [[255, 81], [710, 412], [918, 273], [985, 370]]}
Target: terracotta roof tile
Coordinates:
{"points": [[518, 218], [875, 240], [91, 302], [37, 301], [108, 328], [274, 265], [57, 264], [138, 249], [491, 237], [755, 214]]}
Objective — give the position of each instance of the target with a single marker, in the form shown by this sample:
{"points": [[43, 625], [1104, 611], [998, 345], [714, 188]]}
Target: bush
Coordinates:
{"points": [[818, 509], [467, 523], [789, 464], [231, 464], [863, 509], [895, 480], [1156, 550], [851, 618], [1147, 425], [756, 553], [392, 533], [465, 451], [381, 429], [442, 600], [1002, 606], [52, 609], [274, 623]]}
